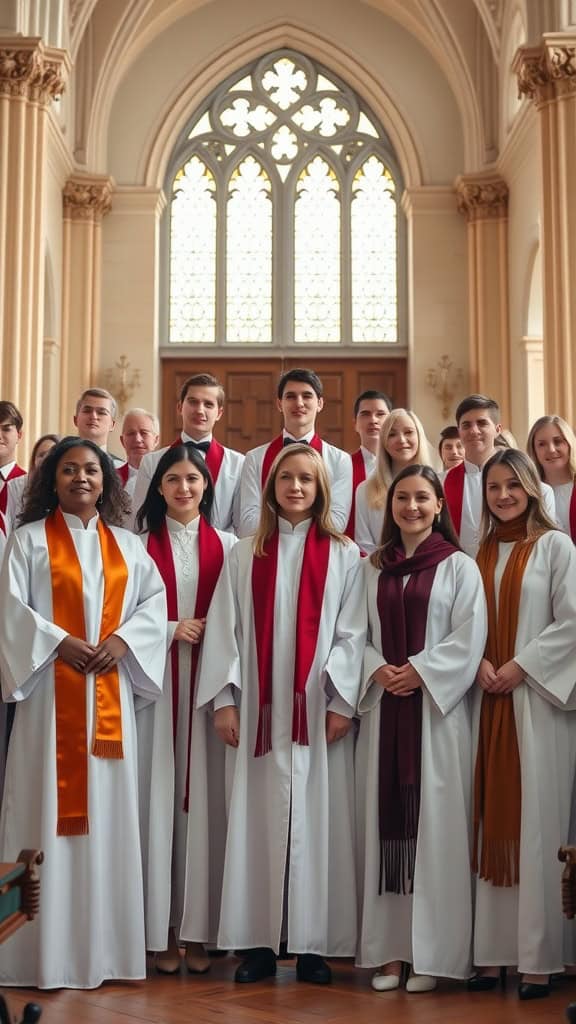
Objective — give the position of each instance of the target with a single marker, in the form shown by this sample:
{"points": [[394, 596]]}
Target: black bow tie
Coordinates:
{"points": [[291, 440], [200, 446]]}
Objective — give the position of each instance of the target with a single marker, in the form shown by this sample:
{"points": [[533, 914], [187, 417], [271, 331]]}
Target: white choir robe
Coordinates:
{"points": [[91, 922], [291, 811], [522, 925], [431, 929], [226, 507], [167, 831], [338, 466], [14, 501], [369, 521]]}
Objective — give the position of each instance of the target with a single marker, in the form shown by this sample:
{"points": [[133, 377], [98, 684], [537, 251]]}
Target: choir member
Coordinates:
{"points": [[88, 608], [525, 740], [552, 447], [282, 655], [300, 399], [10, 434], [95, 418], [200, 406], [140, 434], [402, 443], [426, 636], [450, 449], [181, 760], [17, 487], [370, 409]]}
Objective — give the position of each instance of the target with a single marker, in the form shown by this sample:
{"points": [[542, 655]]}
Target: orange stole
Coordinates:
{"points": [[69, 684]]}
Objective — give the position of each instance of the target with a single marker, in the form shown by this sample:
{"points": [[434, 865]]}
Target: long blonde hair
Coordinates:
{"points": [[377, 485], [521, 465], [567, 433], [320, 510]]}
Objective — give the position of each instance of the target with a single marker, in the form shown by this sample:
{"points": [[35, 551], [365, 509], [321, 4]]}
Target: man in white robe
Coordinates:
{"points": [[289, 868], [91, 922], [299, 399], [200, 406], [140, 435]]}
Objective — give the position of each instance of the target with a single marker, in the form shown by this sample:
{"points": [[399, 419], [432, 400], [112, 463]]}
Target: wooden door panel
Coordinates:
{"points": [[250, 414]]}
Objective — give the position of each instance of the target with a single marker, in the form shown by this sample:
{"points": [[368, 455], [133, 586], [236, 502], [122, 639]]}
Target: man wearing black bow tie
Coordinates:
{"points": [[299, 399], [201, 405]]}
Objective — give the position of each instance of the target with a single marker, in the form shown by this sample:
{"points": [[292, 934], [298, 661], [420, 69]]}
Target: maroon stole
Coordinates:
{"points": [[214, 456], [210, 561], [573, 515], [454, 492], [403, 612], [14, 472], [2, 524], [276, 446], [124, 473], [310, 600], [358, 476]]}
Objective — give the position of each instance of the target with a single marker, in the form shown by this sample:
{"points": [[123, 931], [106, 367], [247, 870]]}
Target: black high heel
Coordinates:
{"points": [[488, 982]]}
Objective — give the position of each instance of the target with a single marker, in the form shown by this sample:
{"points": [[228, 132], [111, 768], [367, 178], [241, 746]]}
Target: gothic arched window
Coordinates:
{"points": [[284, 216]]}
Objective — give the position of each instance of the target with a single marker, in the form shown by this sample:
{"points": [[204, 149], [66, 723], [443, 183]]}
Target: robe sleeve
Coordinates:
{"points": [[22, 662], [448, 669], [220, 657], [549, 660], [250, 496], [343, 666], [144, 628], [362, 532], [341, 490]]}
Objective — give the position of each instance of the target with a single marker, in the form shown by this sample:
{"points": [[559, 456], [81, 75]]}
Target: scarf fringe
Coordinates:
{"points": [[111, 749], [264, 733], [300, 720], [76, 826], [499, 862], [397, 863]]}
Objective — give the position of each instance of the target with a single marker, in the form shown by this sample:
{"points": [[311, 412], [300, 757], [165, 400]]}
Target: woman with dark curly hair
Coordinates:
{"points": [[82, 629]]}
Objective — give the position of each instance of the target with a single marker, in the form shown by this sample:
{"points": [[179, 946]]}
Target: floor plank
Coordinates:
{"points": [[215, 999]]}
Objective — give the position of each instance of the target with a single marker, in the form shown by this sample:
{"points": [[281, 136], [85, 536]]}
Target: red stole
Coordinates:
{"points": [[14, 472], [210, 561], [573, 515], [358, 476], [214, 456], [124, 473], [276, 446], [310, 600], [454, 492]]}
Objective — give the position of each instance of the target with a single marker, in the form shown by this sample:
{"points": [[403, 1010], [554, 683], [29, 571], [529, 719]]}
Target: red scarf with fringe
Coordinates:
{"points": [[403, 614], [310, 600], [210, 562]]}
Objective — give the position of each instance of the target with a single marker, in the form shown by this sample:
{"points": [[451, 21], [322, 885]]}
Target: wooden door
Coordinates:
{"points": [[250, 414]]}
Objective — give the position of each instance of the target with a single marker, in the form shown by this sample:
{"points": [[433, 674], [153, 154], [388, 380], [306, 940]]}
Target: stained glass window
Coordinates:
{"points": [[284, 217]]}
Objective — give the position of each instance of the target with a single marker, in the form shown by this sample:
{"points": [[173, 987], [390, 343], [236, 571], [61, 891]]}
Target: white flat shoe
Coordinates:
{"points": [[385, 982], [421, 983]]}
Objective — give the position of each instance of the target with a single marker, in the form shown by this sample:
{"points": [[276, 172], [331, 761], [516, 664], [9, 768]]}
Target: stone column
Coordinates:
{"points": [[483, 199], [547, 75], [86, 200], [31, 76]]}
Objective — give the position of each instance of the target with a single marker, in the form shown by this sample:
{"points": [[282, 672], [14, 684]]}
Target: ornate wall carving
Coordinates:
{"points": [[32, 70]]}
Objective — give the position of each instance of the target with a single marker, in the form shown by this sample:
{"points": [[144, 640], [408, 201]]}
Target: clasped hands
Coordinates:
{"points": [[227, 725], [190, 630], [399, 680], [502, 680], [86, 658]]}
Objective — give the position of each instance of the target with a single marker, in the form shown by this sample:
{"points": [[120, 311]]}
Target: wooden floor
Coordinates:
{"points": [[215, 999]]}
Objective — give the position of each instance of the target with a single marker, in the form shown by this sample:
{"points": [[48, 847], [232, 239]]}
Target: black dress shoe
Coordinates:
{"points": [[313, 968], [528, 990], [260, 964], [487, 982]]}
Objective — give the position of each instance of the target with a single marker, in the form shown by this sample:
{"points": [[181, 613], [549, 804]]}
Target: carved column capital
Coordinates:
{"points": [[548, 70], [87, 197], [31, 70], [483, 197]]}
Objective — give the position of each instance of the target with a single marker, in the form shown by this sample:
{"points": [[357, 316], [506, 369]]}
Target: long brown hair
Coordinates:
{"points": [[391, 535], [523, 468], [320, 510]]}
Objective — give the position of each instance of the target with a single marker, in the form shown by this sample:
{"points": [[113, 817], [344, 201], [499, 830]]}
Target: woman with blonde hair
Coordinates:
{"points": [[525, 742], [552, 447], [402, 443], [281, 661]]}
